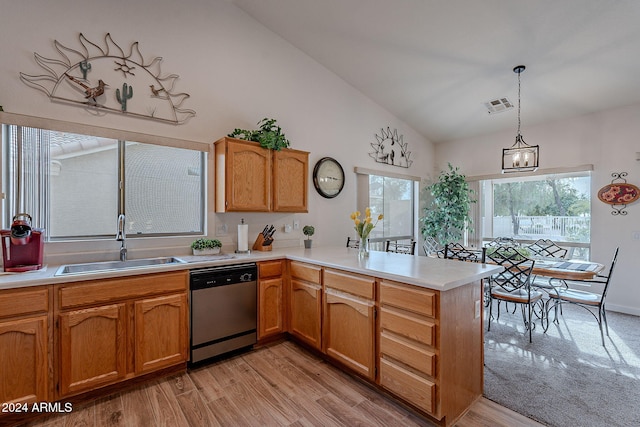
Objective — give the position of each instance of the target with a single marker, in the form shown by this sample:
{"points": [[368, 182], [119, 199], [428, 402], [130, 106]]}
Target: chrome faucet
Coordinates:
{"points": [[121, 236]]}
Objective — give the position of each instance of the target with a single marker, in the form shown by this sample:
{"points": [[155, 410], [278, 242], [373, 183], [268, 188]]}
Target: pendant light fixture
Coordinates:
{"points": [[521, 157]]}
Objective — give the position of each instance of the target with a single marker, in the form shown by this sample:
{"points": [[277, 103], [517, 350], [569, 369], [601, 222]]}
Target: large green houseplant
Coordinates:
{"points": [[447, 214]]}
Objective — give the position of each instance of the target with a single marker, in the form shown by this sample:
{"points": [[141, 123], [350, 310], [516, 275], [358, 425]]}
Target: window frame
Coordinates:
{"points": [[363, 200], [119, 135], [477, 237]]}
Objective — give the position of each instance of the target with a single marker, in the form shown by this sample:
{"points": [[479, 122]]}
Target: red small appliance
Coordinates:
{"points": [[22, 245]]}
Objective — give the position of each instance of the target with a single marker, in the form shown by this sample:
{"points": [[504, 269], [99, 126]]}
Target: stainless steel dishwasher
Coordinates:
{"points": [[223, 310]]}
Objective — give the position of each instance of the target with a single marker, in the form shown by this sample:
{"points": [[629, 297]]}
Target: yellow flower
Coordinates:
{"points": [[380, 217], [368, 220], [357, 221], [367, 212], [353, 216]]}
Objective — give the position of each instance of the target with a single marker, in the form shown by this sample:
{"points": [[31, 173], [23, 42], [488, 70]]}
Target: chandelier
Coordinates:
{"points": [[521, 157]]}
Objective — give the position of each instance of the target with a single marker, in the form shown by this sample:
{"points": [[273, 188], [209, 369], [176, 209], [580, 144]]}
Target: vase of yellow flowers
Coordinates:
{"points": [[363, 227]]}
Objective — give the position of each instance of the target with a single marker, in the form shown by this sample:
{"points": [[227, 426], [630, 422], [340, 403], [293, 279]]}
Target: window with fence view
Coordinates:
{"points": [[555, 207]]}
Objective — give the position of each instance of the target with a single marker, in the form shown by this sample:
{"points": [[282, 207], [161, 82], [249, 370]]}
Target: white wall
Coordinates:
{"points": [[609, 141], [236, 71]]}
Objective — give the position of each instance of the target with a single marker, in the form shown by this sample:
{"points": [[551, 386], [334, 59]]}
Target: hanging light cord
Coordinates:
{"points": [[519, 72]]}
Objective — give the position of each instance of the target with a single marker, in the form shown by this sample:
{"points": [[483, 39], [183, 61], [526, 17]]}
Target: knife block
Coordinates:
{"points": [[259, 244]]}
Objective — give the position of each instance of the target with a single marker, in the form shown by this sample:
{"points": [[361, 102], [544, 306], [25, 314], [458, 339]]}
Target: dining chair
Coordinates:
{"points": [[430, 246], [513, 285], [547, 249], [400, 248], [458, 252], [503, 241], [590, 301], [353, 243]]}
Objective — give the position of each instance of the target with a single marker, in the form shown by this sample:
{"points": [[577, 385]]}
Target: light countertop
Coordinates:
{"points": [[433, 273]]}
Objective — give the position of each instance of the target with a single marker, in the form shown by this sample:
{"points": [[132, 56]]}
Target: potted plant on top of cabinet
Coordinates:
{"points": [[448, 213], [308, 230], [269, 135]]}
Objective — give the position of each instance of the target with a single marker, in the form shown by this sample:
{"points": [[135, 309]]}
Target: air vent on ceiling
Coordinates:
{"points": [[498, 105]]}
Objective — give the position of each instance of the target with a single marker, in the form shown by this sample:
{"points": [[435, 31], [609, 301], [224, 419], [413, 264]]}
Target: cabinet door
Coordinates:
{"points": [[24, 366], [161, 332], [92, 347], [248, 177], [306, 307], [269, 307], [349, 327], [290, 180]]}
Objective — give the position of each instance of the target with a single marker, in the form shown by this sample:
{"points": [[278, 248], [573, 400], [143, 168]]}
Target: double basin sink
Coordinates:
{"points": [[95, 267]]}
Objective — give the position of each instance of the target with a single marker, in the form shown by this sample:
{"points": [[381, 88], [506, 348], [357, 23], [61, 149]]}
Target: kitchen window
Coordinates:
{"points": [[393, 195], [75, 185]]}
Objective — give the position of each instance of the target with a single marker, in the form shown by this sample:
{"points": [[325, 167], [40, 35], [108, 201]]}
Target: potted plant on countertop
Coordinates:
{"points": [[308, 230], [269, 135], [205, 246]]}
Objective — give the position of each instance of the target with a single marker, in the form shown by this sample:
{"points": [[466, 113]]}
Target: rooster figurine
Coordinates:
{"points": [[90, 92]]}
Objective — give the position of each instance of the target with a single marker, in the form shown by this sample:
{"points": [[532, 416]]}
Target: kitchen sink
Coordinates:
{"points": [[94, 267]]}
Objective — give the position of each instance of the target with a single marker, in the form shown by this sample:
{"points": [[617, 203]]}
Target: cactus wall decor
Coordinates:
{"points": [[81, 77], [125, 95]]}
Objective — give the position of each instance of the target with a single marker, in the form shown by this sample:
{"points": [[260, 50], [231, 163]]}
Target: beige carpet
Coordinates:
{"points": [[566, 377]]}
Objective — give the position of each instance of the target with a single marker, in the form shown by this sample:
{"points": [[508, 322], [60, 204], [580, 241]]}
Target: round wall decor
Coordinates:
{"points": [[328, 177]]}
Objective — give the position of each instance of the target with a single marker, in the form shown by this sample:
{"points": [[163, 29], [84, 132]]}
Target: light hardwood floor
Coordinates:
{"points": [[278, 385]]}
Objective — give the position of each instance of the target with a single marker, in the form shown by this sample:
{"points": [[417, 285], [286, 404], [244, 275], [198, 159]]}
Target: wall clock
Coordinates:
{"points": [[328, 177]]}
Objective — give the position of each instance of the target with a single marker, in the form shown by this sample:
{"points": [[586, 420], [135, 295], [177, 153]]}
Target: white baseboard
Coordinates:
{"points": [[623, 309]]}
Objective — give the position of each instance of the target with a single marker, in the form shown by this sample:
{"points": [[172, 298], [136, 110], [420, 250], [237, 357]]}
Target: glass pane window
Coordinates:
{"points": [[393, 197], [163, 189], [84, 186]]}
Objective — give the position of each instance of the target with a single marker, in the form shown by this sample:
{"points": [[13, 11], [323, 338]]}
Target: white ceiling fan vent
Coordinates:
{"points": [[499, 105]]}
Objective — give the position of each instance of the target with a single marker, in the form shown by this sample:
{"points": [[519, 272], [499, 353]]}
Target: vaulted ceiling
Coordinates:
{"points": [[435, 63]]}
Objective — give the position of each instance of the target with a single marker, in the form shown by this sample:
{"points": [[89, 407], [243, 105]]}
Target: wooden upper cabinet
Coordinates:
{"points": [[249, 178], [290, 180], [243, 176]]}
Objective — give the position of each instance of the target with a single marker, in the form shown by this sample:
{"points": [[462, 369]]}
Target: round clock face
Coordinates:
{"points": [[328, 177]]}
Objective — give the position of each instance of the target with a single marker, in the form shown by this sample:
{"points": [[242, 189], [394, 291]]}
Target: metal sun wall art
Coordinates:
{"points": [[391, 149], [103, 78], [619, 193]]}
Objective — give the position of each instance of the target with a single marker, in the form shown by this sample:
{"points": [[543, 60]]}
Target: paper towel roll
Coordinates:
{"points": [[243, 237]]}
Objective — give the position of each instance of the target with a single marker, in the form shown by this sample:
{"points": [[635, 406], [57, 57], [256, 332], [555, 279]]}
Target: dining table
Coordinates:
{"points": [[566, 269]]}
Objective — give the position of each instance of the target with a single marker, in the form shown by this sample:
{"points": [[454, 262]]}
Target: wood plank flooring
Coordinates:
{"points": [[278, 385]]}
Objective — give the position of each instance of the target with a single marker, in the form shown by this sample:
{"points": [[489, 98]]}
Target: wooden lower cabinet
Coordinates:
{"points": [[24, 346], [349, 321], [426, 357], [115, 329], [161, 332], [93, 344], [305, 305], [306, 309], [270, 299]]}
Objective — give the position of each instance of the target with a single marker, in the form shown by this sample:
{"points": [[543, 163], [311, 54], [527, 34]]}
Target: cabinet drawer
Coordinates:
{"points": [[419, 329], [408, 352], [306, 272], [269, 269], [412, 298], [101, 291], [354, 284], [24, 301], [408, 385]]}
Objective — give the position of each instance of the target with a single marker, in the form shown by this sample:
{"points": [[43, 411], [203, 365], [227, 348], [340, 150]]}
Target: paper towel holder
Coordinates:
{"points": [[243, 235]]}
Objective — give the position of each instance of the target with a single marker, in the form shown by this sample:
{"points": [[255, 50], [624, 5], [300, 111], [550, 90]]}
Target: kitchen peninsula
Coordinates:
{"points": [[407, 324]]}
